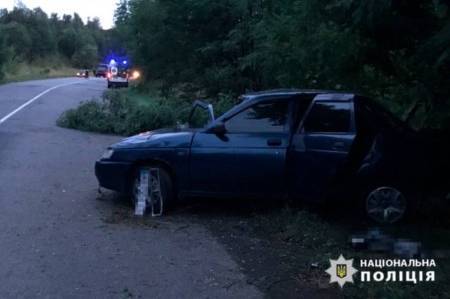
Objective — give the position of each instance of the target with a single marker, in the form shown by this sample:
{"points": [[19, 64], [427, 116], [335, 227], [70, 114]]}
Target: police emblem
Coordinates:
{"points": [[341, 271]]}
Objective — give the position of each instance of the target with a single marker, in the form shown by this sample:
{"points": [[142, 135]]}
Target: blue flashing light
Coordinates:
{"points": [[125, 62], [112, 61]]}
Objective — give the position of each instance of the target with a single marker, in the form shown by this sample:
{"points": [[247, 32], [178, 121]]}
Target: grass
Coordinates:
{"points": [[41, 69], [322, 239]]}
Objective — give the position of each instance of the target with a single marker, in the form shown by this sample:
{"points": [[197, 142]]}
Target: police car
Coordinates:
{"points": [[118, 74]]}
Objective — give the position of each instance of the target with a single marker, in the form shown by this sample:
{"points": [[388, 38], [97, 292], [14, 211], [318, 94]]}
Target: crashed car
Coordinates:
{"points": [[309, 145]]}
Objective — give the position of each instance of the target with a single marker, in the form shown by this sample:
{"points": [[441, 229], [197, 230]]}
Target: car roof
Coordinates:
{"points": [[340, 95]]}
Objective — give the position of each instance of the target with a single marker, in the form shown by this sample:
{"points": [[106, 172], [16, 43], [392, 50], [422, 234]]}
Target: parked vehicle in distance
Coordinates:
{"points": [[101, 70], [83, 74], [310, 145]]}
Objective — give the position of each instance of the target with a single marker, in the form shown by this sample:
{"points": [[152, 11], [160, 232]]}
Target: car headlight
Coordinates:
{"points": [[136, 75], [108, 154]]}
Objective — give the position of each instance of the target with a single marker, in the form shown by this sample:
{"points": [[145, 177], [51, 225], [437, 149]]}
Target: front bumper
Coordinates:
{"points": [[115, 176]]}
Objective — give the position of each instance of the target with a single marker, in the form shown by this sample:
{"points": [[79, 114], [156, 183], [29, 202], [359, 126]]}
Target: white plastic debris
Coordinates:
{"points": [[141, 203]]}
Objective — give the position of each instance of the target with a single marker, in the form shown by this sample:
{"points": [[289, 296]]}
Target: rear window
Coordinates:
{"points": [[329, 117], [102, 69]]}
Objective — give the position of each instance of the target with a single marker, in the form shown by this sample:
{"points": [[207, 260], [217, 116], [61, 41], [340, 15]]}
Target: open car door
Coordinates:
{"points": [[320, 145]]}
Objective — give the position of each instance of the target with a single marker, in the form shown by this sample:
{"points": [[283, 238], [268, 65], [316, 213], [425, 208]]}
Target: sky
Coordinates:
{"points": [[103, 9]]}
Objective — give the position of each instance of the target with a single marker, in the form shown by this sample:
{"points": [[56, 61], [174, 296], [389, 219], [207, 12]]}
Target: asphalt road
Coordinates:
{"points": [[55, 240]]}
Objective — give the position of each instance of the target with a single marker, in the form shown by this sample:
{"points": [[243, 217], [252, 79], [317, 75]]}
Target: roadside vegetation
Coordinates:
{"points": [[128, 112], [34, 45], [43, 69], [395, 51]]}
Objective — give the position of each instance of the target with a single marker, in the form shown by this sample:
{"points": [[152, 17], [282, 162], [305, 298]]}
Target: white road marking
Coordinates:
{"points": [[33, 99]]}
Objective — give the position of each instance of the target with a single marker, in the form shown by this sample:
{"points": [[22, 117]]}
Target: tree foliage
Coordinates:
{"points": [[30, 34], [394, 50], [3, 54]]}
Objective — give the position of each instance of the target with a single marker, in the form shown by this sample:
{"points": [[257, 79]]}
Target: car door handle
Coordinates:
{"points": [[338, 145], [274, 142]]}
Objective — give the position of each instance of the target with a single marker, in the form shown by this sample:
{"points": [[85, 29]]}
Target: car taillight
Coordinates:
{"points": [[108, 75]]}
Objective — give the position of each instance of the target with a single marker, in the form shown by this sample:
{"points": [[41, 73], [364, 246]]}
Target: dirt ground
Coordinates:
{"points": [[281, 248]]}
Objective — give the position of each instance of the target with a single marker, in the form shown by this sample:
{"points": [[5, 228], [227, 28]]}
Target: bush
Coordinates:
{"points": [[89, 116], [120, 112], [127, 112]]}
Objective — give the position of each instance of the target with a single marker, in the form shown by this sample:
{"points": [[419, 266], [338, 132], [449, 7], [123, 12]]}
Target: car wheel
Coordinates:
{"points": [[386, 204], [165, 184]]}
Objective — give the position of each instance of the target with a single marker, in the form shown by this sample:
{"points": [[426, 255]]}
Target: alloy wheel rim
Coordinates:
{"points": [[386, 205]]}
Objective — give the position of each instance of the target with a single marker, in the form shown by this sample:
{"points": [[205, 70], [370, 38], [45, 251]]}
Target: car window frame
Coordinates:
{"points": [[289, 121], [351, 130], [296, 118]]}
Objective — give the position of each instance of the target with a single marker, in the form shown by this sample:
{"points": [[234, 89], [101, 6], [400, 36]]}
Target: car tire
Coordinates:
{"points": [[386, 203], [109, 85], [166, 185]]}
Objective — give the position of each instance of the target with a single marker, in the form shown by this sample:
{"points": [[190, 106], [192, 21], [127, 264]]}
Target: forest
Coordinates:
{"points": [[396, 51], [30, 36]]}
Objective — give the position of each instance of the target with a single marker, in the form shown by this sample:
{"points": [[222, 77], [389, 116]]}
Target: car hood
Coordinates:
{"points": [[169, 138]]}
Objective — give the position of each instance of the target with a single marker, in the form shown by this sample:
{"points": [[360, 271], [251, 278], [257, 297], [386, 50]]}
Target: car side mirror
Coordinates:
{"points": [[218, 128]]}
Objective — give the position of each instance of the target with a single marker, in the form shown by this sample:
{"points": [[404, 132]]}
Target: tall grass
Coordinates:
{"points": [[40, 69]]}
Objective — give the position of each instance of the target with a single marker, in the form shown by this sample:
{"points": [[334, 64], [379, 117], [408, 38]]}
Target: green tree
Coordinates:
{"points": [[3, 52], [396, 51], [68, 42], [17, 37], [43, 39], [121, 15], [31, 35], [85, 57]]}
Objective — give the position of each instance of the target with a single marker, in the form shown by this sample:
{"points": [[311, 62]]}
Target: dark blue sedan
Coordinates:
{"points": [[310, 145]]}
